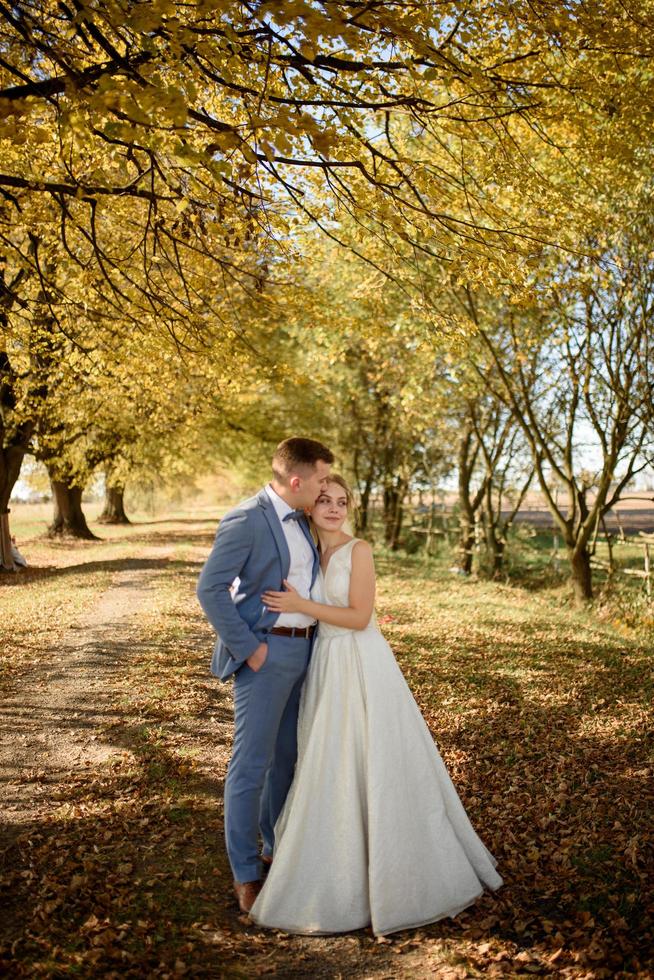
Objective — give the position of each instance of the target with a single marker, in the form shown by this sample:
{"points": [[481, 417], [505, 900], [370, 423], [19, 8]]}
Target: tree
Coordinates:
{"points": [[88, 377], [374, 377], [574, 374], [161, 162], [415, 122], [113, 511], [17, 423], [508, 478]]}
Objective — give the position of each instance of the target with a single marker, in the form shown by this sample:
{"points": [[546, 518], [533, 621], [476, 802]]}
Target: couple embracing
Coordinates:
{"points": [[333, 765]]}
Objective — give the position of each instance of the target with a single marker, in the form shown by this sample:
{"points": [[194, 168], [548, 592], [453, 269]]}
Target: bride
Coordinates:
{"points": [[372, 832]]}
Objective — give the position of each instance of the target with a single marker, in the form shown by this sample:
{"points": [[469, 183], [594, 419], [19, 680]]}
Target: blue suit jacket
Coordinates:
{"points": [[250, 545]]}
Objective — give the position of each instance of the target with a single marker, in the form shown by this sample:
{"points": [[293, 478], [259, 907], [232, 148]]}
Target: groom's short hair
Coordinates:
{"points": [[296, 454]]}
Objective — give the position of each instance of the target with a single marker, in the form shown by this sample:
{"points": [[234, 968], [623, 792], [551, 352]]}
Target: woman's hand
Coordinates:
{"points": [[283, 602]]}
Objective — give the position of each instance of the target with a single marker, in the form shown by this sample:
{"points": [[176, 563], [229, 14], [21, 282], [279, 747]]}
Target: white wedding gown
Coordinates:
{"points": [[372, 831]]}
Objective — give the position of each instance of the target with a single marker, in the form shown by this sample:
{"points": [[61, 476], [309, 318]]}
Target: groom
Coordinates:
{"points": [[259, 544]]}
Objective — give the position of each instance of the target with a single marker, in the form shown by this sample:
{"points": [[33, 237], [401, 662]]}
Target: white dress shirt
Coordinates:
{"points": [[301, 568]]}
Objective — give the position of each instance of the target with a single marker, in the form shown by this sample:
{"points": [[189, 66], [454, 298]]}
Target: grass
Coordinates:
{"points": [[542, 713], [532, 564]]}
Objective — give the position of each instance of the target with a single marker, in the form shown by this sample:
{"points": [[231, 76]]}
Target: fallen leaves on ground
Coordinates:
{"points": [[543, 719]]}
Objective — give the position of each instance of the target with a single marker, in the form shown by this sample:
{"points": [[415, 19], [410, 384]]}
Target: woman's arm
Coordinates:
{"points": [[361, 599]]}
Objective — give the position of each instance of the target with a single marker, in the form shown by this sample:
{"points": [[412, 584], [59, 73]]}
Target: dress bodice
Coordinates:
{"points": [[335, 581], [334, 586]]}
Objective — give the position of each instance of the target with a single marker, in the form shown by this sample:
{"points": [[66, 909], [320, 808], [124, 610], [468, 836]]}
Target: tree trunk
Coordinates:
{"points": [[7, 563], [11, 460], [394, 512], [468, 505], [494, 546], [390, 506], [429, 537], [581, 575], [7, 484], [362, 513], [466, 546], [69, 520], [114, 507], [397, 526]]}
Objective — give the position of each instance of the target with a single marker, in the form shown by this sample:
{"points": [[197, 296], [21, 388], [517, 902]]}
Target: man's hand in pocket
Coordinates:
{"points": [[257, 659]]}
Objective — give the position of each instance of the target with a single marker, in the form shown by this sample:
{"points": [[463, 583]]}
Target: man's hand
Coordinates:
{"points": [[257, 659]]}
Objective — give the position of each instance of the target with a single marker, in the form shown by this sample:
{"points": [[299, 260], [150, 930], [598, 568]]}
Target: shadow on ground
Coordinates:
{"points": [[544, 731]]}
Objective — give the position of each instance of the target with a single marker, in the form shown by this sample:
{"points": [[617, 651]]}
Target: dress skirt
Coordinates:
{"points": [[373, 831]]}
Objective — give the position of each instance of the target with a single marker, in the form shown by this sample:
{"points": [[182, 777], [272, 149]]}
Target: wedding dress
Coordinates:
{"points": [[372, 831]]}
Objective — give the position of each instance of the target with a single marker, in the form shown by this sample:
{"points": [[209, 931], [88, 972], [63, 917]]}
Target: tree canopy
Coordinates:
{"points": [[212, 213]]}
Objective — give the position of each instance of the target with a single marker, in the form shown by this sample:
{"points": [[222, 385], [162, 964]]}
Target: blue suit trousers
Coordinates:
{"points": [[263, 759]]}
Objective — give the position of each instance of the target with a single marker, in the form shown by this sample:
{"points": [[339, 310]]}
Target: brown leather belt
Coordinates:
{"points": [[306, 632]]}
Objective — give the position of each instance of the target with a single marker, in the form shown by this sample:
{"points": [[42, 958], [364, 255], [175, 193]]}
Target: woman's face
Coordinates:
{"points": [[330, 509]]}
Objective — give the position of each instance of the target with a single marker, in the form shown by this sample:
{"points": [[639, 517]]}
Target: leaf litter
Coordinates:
{"points": [[116, 867]]}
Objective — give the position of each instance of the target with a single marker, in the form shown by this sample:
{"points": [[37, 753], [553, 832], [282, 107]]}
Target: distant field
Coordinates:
{"points": [[632, 520], [632, 515]]}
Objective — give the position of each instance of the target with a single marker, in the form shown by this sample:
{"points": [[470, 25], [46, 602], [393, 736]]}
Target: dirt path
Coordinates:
{"points": [[49, 725]]}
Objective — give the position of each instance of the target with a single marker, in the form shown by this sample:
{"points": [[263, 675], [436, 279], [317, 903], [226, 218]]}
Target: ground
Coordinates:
{"points": [[115, 741]]}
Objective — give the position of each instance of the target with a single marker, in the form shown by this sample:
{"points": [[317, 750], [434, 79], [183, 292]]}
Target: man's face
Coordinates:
{"points": [[311, 484]]}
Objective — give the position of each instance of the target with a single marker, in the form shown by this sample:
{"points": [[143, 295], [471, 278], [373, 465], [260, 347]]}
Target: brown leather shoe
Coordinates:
{"points": [[246, 893]]}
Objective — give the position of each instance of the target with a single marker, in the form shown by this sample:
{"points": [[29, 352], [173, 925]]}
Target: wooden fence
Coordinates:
{"points": [[432, 532], [647, 541]]}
